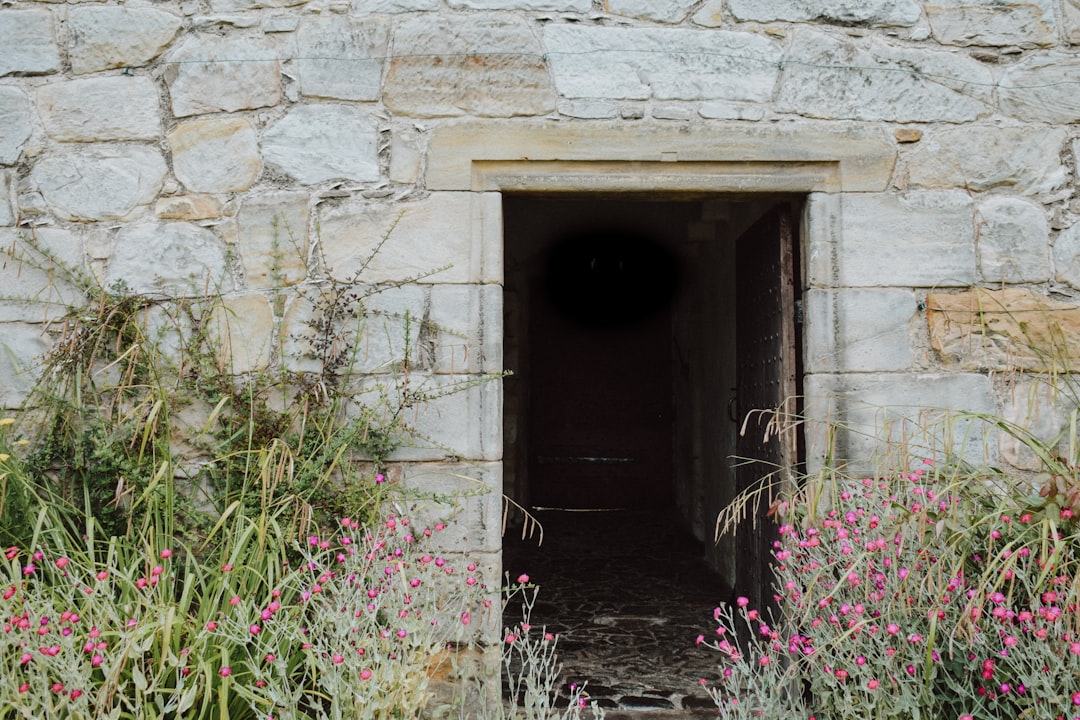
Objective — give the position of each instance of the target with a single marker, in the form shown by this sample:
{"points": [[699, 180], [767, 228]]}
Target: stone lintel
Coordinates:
{"points": [[847, 159], [680, 177]]}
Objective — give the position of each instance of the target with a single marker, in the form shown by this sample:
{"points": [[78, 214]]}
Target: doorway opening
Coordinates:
{"points": [[641, 330]]}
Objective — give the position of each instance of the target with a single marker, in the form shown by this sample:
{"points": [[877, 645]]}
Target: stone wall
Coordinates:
{"points": [[935, 144]]}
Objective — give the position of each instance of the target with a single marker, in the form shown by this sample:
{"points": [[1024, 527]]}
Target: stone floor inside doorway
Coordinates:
{"points": [[627, 592]]}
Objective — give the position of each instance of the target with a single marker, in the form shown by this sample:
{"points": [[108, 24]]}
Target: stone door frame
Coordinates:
{"points": [[738, 161]]}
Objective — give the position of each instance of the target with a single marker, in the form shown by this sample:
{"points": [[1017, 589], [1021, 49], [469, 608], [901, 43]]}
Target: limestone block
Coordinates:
{"points": [[106, 37], [467, 64], [731, 111], [672, 112], [1026, 159], [36, 287], [15, 124], [859, 330], [662, 63], [588, 109], [392, 323], [316, 143], [406, 154], [878, 412], [393, 6], [457, 417], [429, 238], [100, 108], [341, 58], [710, 14], [1042, 88], [21, 348], [1013, 238], [188, 207], [7, 212], [243, 327], [467, 498], [168, 258], [100, 182], [468, 326], [580, 6], [280, 23], [28, 38], [210, 74], [1007, 329], [1071, 17], [1040, 409], [216, 156], [273, 238], [861, 12], [668, 11], [834, 76], [1067, 256], [992, 22], [237, 6], [919, 239]]}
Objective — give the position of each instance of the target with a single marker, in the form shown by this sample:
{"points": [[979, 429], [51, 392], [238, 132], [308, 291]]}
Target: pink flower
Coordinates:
{"points": [[254, 629], [742, 601], [872, 684], [338, 659], [62, 562], [523, 578], [166, 554], [365, 674], [225, 671]]}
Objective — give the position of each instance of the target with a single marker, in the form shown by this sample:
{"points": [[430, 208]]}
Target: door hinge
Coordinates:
{"points": [[798, 312]]}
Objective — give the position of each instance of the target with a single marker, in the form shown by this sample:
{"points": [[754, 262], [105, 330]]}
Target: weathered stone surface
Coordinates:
{"points": [[468, 499], [393, 322], [100, 182], [1067, 256], [100, 108], [216, 156], [1027, 159], [406, 154], [393, 6], [663, 63], [21, 348], [314, 143], [859, 330], [466, 320], [15, 125], [458, 423], [28, 39], [101, 38], [992, 22], [669, 11], [430, 234], [244, 328], [907, 135], [1013, 238], [918, 239], [170, 258], [188, 207], [832, 76], [711, 14], [223, 74], [865, 12], [236, 6], [588, 109], [467, 64], [1042, 88], [341, 58], [1071, 16], [1005, 329], [36, 289], [273, 238], [7, 212], [924, 412], [1042, 410], [731, 111], [529, 5]]}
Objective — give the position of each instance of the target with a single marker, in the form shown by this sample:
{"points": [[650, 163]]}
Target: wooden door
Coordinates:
{"points": [[766, 372]]}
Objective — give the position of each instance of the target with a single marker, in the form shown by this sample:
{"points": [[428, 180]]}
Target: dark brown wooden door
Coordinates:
{"points": [[600, 419], [766, 350]]}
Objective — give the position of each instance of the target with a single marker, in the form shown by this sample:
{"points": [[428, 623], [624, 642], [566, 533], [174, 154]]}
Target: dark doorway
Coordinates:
{"points": [[641, 332]]}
